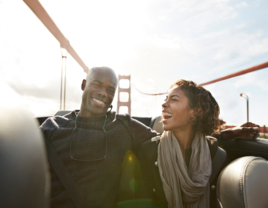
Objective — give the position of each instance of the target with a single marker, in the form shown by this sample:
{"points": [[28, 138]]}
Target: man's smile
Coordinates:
{"points": [[98, 102]]}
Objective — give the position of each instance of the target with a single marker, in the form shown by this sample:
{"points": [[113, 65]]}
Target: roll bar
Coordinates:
{"points": [[43, 16]]}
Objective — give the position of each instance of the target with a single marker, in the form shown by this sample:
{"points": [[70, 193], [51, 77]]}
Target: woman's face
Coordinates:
{"points": [[176, 112]]}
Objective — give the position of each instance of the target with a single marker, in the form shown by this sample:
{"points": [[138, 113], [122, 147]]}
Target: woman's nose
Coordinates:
{"points": [[165, 104]]}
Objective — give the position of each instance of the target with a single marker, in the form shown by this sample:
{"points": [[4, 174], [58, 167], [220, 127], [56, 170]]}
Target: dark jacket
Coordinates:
{"points": [[156, 191], [97, 180]]}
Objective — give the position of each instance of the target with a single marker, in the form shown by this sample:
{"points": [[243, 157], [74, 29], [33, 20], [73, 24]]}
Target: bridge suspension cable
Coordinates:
{"points": [[239, 73], [163, 93]]}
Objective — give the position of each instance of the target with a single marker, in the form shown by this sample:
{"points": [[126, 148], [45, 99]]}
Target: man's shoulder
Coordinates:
{"points": [[131, 122], [121, 116], [125, 118], [57, 121]]}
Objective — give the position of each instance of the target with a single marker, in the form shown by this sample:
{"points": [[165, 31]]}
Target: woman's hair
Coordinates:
{"points": [[207, 109]]}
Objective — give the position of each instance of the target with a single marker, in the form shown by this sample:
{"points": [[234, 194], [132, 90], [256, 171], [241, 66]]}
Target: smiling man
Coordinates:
{"points": [[93, 143], [99, 89]]}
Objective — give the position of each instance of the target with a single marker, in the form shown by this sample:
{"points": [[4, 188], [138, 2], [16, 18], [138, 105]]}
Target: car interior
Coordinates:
{"points": [[240, 167], [241, 180]]}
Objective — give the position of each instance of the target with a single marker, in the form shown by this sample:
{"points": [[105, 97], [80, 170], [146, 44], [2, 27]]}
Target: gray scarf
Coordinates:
{"points": [[185, 187]]}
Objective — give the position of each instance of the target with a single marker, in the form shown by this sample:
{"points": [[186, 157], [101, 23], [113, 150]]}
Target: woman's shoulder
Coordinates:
{"points": [[150, 147], [213, 145]]}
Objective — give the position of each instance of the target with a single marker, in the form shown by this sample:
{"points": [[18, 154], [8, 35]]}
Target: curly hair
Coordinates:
{"points": [[207, 109]]}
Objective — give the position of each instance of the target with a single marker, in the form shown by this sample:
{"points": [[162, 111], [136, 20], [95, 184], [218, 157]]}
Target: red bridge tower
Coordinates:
{"points": [[124, 92]]}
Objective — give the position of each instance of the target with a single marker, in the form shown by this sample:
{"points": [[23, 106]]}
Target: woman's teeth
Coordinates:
{"points": [[166, 114], [99, 102]]}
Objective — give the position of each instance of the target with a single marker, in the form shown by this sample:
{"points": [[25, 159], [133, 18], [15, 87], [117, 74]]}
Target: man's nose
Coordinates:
{"points": [[102, 92]]}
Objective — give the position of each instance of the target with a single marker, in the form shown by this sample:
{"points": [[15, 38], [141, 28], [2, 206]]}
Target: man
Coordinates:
{"points": [[93, 143], [93, 153]]}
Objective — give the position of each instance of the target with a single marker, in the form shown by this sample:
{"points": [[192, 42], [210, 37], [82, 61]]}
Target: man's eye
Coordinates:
{"points": [[174, 99], [95, 85]]}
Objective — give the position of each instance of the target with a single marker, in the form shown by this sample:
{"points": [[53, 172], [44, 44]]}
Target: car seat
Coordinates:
{"points": [[156, 124], [62, 112], [243, 183], [24, 172]]}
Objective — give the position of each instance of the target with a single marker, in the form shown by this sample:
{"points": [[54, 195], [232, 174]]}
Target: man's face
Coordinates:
{"points": [[98, 93]]}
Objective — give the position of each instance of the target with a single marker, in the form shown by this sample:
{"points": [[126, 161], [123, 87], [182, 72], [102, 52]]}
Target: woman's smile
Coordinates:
{"points": [[166, 116]]}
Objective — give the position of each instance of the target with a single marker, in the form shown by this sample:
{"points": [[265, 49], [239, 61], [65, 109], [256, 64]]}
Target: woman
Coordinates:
{"points": [[184, 153]]}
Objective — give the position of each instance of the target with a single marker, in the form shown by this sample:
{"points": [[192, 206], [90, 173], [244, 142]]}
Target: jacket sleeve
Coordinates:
{"points": [[139, 134], [48, 127], [138, 131]]}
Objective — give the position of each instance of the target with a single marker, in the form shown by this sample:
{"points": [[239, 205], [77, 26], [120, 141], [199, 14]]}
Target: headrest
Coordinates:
{"points": [[24, 172], [244, 183], [62, 112], [157, 125]]}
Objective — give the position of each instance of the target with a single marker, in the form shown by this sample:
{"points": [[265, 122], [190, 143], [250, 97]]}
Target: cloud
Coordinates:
{"points": [[252, 79], [242, 4], [157, 42], [263, 84], [246, 79]]}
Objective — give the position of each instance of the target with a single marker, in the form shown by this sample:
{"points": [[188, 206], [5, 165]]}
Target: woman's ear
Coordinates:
{"points": [[198, 111], [83, 85], [195, 114]]}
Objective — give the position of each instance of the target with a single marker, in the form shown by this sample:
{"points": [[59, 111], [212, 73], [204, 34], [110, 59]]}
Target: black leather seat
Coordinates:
{"points": [[24, 175], [62, 112], [156, 124], [244, 183]]}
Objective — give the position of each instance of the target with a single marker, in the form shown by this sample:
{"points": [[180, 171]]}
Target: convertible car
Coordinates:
{"points": [[240, 179]]}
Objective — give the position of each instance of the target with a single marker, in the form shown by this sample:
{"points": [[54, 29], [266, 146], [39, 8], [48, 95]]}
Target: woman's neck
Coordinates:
{"points": [[185, 137]]}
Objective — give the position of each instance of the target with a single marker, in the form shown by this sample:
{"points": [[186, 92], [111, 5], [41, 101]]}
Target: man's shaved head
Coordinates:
{"points": [[104, 69]]}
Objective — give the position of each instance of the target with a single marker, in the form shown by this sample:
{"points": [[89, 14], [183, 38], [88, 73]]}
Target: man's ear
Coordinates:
{"points": [[83, 85]]}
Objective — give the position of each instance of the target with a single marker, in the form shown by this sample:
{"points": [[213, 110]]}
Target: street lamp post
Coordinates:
{"points": [[64, 53], [246, 97]]}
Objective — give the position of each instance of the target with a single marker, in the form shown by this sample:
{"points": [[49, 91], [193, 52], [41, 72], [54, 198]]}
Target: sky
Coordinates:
{"points": [[155, 41]]}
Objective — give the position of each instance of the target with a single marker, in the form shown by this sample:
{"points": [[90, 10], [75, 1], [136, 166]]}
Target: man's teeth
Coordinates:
{"points": [[166, 114], [98, 101]]}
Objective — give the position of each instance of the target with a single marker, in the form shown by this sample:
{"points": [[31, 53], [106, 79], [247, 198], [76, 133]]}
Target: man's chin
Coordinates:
{"points": [[97, 112], [98, 109]]}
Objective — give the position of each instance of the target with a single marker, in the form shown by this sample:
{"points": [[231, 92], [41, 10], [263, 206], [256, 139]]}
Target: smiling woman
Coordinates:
{"points": [[194, 104], [185, 152]]}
